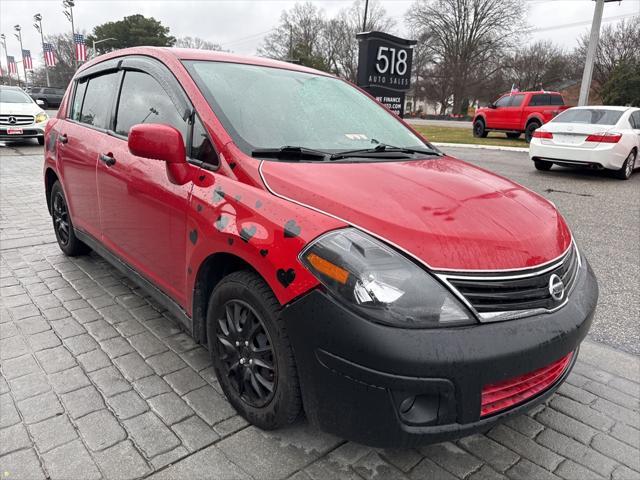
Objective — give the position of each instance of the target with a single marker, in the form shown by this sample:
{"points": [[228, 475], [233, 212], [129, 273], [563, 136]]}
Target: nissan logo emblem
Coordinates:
{"points": [[556, 287], [12, 120]]}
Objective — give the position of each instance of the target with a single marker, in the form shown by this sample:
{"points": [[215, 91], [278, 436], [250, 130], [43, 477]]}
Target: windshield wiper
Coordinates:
{"points": [[289, 152], [382, 148]]}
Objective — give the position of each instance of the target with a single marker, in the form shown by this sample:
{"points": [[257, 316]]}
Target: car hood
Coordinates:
{"points": [[19, 108], [447, 213]]}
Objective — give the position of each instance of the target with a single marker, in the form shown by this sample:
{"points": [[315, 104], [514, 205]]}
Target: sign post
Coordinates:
{"points": [[384, 68]]}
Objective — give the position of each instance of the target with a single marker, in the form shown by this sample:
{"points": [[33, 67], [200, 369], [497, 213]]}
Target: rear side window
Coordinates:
{"points": [[590, 116], [556, 100], [539, 99], [516, 100], [143, 100], [634, 120], [96, 107], [76, 107]]}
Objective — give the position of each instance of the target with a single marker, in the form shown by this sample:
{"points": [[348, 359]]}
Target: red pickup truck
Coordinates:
{"points": [[517, 113]]}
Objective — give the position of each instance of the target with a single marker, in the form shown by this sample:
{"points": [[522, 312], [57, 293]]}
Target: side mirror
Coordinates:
{"points": [[40, 102], [492, 106], [156, 141]]}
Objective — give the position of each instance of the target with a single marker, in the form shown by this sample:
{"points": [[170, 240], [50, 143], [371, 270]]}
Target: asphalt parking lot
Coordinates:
{"points": [[99, 382]]}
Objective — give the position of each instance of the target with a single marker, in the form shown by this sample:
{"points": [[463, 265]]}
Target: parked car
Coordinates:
{"points": [[20, 116], [330, 258], [517, 113], [49, 96], [601, 137]]}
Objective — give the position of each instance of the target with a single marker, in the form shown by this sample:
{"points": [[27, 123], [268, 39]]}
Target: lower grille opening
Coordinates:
{"points": [[500, 396]]}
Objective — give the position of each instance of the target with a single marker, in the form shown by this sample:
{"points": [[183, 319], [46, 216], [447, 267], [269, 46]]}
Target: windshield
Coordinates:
{"points": [[264, 107], [14, 96], [589, 116]]}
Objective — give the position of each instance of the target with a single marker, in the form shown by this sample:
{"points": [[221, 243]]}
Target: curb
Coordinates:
{"points": [[601, 355], [486, 147]]}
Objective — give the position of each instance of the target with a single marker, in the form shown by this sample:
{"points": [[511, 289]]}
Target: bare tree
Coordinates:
{"points": [[198, 43], [462, 35], [618, 44], [63, 72], [537, 65]]}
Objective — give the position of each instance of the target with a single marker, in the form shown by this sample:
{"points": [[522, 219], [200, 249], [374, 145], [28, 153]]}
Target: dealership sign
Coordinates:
{"points": [[384, 68]]}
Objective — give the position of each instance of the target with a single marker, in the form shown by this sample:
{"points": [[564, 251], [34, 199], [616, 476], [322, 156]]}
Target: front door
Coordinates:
{"points": [[143, 213]]}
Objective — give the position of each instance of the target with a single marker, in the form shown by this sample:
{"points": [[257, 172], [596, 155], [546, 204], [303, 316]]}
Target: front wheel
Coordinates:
{"points": [[528, 133], [62, 225], [627, 167], [479, 130], [251, 353], [542, 165]]}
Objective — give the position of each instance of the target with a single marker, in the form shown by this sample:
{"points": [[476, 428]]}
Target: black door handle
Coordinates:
{"points": [[63, 138], [107, 159]]}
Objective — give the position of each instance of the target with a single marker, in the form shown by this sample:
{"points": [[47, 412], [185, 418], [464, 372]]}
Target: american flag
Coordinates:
{"points": [[49, 55], [81, 48], [13, 69], [26, 58]]}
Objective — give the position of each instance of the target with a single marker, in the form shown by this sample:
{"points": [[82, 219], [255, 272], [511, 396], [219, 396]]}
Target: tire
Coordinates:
{"points": [[479, 129], [63, 226], [542, 165], [234, 351], [627, 167], [528, 133], [40, 140], [513, 135]]}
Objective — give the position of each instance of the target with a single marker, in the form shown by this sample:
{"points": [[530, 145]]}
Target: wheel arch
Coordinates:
{"points": [[533, 118], [210, 272]]}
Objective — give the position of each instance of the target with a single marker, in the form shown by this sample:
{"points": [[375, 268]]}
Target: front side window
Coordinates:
{"points": [[503, 101], [263, 107], [143, 100], [96, 107], [589, 116], [516, 100], [14, 96]]}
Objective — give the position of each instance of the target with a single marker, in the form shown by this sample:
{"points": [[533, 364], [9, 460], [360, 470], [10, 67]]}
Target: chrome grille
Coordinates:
{"points": [[15, 120], [503, 295]]}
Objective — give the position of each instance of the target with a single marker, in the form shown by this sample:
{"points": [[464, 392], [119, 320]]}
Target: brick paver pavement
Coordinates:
{"points": [[98, 381]]}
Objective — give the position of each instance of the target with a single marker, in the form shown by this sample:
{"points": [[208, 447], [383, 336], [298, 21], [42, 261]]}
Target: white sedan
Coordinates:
{"points": [[20, 116], [599, 137]]}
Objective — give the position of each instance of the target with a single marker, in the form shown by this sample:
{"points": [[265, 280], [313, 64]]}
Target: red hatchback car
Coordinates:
{"points": [[330, 258]]}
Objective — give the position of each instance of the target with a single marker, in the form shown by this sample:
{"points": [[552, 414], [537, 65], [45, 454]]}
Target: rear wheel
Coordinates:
{"points": [[479, 130], [251, 353], [542, 165], [62, 225], [627, 167], [513, 135], [528, 133]]}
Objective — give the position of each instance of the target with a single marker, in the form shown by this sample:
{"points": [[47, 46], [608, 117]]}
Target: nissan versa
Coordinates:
{"points": [[332, 260]]}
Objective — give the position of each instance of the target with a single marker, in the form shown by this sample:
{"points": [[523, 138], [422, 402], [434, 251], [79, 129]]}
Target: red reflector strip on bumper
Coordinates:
{"points": [[503, 395]]}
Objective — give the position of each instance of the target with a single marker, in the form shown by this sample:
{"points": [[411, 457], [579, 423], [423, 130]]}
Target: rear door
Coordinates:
{"points": [[80, 137], [143, 213]]}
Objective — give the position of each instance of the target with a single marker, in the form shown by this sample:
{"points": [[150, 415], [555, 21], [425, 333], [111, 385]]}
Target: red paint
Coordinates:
{"points": [[516, 118], [446, 212], [503, 395], [542, 134], [605, 137], [443, 211]]}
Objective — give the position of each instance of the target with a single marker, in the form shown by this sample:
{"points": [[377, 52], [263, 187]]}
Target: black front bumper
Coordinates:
{"points": [[356, 374]]}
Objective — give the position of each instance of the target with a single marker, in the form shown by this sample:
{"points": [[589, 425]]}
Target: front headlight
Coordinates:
{"points": [[380, 283], [41, 117]]}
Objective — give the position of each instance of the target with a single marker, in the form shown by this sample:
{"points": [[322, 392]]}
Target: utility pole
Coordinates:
{"points": [[594, 38], [366, 10], [68, 12], [18, 35], [290, 41], [38, 19], [6, 54]]}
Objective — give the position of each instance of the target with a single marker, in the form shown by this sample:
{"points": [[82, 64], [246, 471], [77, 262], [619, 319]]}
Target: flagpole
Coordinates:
{"points": [[18, 29], [6, 56], [38, 18], [69, 14]]}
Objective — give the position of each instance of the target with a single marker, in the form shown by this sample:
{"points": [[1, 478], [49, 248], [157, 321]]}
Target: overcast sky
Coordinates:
{"points": [[240, 26]]}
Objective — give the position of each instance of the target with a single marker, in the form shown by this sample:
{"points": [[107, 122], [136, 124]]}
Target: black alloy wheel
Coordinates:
{"points": [[247, 353], [479, 130], [60, 215]]}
